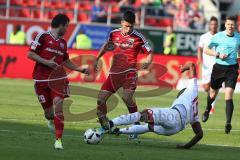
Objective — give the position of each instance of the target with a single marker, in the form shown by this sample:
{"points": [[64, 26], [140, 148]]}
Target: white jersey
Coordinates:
{"points": [[208, 61], [187, 103]]}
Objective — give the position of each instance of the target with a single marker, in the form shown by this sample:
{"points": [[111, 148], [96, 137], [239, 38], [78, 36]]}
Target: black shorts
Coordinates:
{"points": [[223, 73]]}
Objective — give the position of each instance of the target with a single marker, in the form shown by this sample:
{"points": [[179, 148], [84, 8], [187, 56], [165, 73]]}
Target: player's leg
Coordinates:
{"points": [[44, 96], [206, 87], [134, 129], [229, 108], [102, 107], [217, 78], [210, 99], [126, 119], [129, 86], [128, 99], [163, 121], [58, 120], [107, 89], [230, 84]]}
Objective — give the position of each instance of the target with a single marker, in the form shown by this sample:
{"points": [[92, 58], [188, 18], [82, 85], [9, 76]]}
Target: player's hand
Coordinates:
{"points": [[181, 146], [199, 62], [223, 56], [85, 71], [51, 63]]}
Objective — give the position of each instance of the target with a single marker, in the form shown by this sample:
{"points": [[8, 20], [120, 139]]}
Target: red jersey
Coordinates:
{"points": [[46, 46], [126, 50]]}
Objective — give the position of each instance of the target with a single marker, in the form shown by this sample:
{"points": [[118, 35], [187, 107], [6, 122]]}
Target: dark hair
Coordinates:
{"points": [[59, 19], [129, 16], [213, 18], [232, 18]]}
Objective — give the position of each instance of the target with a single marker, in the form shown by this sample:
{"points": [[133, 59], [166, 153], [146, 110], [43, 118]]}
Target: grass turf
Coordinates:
{"points": [[24, 135]]}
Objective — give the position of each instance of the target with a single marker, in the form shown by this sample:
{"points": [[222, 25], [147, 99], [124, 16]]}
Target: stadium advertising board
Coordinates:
{"points": [[186, 41], [14, 64]]}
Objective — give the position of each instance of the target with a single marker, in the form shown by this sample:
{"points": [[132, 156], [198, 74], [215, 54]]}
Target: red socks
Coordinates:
{"points": [[59, 125]]}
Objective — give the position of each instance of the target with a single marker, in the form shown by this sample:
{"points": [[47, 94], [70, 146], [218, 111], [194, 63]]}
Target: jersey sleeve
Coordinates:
{"points": [[110, 37], [66, 55], [214, 41], [146, 48], [37, 43]]}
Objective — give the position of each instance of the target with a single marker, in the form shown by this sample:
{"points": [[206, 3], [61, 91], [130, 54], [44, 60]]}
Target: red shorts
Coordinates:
{"points": [[127, 80], [46, 94]]}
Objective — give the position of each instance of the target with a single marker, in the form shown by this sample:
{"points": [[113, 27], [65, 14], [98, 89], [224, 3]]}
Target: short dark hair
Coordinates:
{"points": [[232, 18], [213, 18], [59, 19], [129, 16]]}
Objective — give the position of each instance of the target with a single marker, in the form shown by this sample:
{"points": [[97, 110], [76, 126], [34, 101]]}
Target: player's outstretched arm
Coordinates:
{"points": [[70, 65], [197, 129], [149, 60], [199, 55], [191, 67], [35, 57], [107, 46], [210, 52]]}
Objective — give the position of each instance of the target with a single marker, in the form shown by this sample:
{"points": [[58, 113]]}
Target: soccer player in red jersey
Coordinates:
{"points": [[49, 51], [125, 43]]}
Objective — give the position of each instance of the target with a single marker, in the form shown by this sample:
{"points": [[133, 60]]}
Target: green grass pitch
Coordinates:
{"points": [[24, 134]]}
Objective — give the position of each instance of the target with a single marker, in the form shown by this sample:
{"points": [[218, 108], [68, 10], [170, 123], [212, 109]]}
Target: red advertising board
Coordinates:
{"points": [[15, 64], [31, 28]]}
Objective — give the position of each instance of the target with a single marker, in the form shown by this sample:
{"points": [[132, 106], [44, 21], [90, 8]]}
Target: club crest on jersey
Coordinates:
{"points": [[62, 45], [127, 44]]}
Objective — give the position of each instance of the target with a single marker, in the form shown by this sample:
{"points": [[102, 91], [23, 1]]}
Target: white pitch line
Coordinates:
{"points": [[112, 138]]}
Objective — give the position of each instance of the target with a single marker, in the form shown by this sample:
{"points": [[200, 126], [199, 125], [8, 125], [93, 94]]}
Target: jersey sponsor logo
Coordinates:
{"points": [[125, 44], [54, 51]]}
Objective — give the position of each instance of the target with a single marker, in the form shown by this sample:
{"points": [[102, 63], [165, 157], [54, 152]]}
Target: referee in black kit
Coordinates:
{"points": [[227, 45]]}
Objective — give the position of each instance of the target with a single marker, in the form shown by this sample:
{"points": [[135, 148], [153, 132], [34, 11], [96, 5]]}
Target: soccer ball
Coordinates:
{"points": [[93, 136]]}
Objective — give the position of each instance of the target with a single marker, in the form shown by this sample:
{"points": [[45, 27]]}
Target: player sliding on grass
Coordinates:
{"points": [[125, 43], [167, 121], [49, 50]]}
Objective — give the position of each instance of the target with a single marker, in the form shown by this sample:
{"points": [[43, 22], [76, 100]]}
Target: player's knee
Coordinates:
{"points": [[206, 88], [213, 94], [57, 101]]}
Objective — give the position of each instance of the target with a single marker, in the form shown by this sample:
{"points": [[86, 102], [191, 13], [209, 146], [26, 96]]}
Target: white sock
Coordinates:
{"points": [[126, 119], [138, 129]]}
